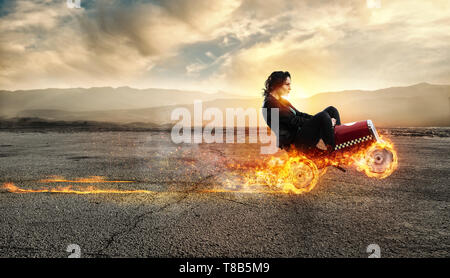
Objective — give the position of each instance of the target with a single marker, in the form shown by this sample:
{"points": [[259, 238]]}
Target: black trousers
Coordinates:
{"points": [[319, 126]]}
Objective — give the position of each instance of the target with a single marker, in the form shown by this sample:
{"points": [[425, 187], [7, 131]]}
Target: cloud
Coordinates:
{"points": [[344, 45], [217, 45], [203, 16], [43, 43]]}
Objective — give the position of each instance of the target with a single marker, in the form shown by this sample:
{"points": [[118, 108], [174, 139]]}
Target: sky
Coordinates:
{"points": [[217, 45]]}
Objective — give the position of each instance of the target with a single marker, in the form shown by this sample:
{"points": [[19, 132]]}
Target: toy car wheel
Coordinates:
{"points": [[379, 160], [304, 175]]}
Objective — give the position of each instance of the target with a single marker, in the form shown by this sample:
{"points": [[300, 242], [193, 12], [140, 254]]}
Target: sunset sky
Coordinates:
{"points": [[217, 45]]}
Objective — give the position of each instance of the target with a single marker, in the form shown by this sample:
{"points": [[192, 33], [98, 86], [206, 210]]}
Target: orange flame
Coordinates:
{"points": [[364, 160], [287, 173], [10, 187], [293, 172]]}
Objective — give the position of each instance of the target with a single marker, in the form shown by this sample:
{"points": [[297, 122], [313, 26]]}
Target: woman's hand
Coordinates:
{"points": [[333, 121]]}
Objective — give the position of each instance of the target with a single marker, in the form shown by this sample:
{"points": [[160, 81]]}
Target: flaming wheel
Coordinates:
{"points": [[379, 159], [304, 175]]}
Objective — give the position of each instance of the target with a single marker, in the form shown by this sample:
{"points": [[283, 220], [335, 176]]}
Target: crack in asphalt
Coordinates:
{"points": [[135, 221], [139, 218], [234, 201]]}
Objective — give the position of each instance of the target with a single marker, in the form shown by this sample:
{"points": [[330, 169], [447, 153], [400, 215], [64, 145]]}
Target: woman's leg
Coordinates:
{"points": [[326, 127], [334, 113], [319, 126]]}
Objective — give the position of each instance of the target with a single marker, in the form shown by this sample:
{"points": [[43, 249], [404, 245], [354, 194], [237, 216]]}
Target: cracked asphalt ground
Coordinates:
{"points": [[407, 214]]}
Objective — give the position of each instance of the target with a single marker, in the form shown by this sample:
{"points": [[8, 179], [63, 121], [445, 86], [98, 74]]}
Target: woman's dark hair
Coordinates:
{"points": [[274, 81]]}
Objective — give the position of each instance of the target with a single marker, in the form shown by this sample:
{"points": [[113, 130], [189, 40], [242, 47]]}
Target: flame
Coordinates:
{"points": [[287, 173], [10, 187], [363, 161], [293, 172]]}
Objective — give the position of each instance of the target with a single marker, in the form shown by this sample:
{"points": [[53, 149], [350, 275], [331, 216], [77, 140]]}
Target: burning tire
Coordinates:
{"points": [[304, 176], [379, 160]]}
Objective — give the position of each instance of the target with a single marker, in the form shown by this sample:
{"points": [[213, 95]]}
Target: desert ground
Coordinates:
{"points": [[175, 215]]}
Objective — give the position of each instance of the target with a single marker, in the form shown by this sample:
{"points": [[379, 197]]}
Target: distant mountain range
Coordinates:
{"points": [[97, 99], [418, 105]]}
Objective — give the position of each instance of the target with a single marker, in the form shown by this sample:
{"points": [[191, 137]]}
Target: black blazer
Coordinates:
{"points": [[290, 119]]}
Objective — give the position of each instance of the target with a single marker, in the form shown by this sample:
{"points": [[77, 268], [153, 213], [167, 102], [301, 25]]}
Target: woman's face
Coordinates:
{"points": [[285, 88]]}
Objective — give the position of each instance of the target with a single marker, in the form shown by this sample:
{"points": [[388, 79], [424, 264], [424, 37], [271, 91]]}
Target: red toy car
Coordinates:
{"points": [[357, 143], [363, 134]]}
